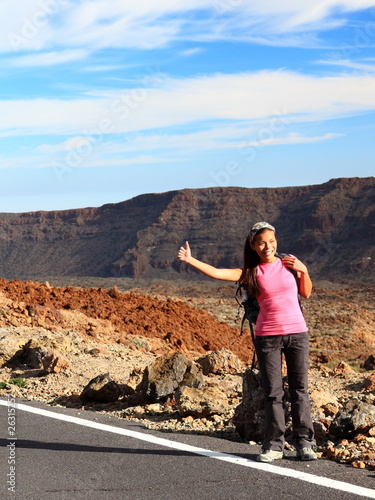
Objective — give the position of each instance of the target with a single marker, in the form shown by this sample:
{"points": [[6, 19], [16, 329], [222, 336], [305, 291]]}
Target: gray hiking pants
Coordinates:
{"points": [[269, 351]]}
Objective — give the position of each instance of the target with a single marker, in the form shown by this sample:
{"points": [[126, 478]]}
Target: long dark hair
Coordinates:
{"points": [[251, 260]]}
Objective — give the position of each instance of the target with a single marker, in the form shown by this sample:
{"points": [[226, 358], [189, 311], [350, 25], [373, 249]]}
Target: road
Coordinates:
{"points": [[60, 453]]}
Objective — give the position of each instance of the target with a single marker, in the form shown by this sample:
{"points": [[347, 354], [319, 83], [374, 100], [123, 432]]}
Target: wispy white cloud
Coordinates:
{"points": [[191, 52], [293, 15], [48, 58], [71, 159], [142, 149], [96, 24], [347, 63], [291, 138], [252, 97], [103, 68], [215, 138]]}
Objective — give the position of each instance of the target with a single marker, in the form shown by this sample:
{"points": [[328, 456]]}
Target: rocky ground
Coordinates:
{"points": [[119, 327]]}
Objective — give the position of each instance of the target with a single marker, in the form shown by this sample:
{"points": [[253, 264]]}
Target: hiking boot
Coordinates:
{"points": [[269, 455], [306, 454]]}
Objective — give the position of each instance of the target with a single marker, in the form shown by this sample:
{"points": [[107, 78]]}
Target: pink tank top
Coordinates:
{"points": [[280, 313]]}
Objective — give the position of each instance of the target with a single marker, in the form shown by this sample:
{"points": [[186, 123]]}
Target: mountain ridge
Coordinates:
{"points": [[329, 226]]}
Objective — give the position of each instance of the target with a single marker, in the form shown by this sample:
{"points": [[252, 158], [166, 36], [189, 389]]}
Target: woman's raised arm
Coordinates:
{"points": [[184, 255]]}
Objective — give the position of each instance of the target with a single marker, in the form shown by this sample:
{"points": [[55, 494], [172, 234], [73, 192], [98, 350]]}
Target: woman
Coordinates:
{"points": [[280, 328]]}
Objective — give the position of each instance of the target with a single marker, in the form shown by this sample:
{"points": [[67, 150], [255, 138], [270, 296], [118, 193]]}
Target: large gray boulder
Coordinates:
{"points": [[248, 418], [354, 417], [249, 414], [162, 377]]}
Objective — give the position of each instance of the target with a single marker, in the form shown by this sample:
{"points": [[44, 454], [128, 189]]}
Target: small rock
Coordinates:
{"points": [[32, 353], [154, 409], [187, 419], [342, 369], [102, 389], [330, 410], [359, 464], [134, 383], [369, 383], [53, 362], [369, 363], [114, 292], [135, 411], [322, 398]]}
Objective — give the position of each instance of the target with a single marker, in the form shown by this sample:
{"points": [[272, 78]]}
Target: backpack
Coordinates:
{"points": [[251, 307]]}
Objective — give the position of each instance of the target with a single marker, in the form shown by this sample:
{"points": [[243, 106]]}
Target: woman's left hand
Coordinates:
{"points": [[295, 264], [305, 285]]}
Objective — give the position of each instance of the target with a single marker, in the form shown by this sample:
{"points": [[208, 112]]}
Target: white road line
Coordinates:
{"points": [[302, 476]]}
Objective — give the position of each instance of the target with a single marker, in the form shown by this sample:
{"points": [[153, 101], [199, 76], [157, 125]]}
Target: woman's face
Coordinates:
{"points": [[265, 245]]}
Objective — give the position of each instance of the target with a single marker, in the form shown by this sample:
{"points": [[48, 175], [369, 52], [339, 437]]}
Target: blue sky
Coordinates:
{"points": [[101, 101]]}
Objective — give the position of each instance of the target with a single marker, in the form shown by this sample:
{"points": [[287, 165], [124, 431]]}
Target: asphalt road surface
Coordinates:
{"points": [[50, 453]]}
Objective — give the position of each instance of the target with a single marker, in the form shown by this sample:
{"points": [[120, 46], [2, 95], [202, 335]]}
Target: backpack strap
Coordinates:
{"points": [[254, 353], [251, 309]]}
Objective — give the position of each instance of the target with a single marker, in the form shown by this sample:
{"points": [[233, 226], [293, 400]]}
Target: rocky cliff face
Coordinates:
{"points": [[329, 226]]}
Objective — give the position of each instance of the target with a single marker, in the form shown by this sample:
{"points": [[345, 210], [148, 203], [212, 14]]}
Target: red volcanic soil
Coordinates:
{"points": [[198, 318], [182, 326]]}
